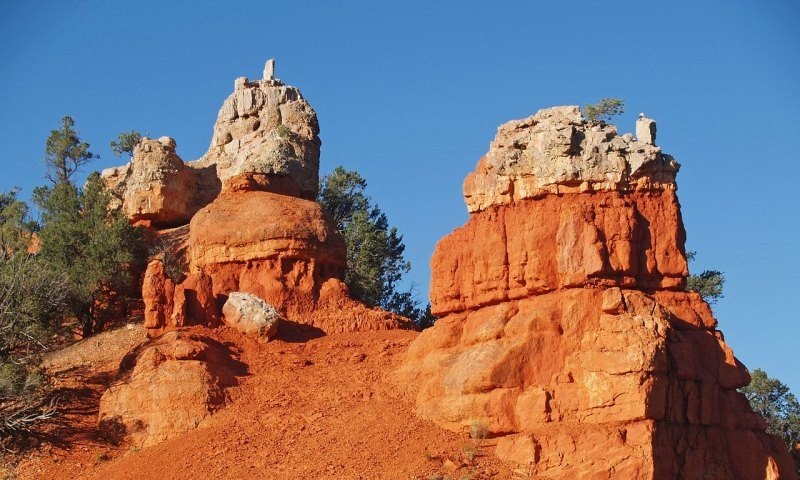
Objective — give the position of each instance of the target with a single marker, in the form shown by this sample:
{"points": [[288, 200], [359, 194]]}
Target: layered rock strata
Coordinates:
{"points": [[245, 216], [565, 328]]}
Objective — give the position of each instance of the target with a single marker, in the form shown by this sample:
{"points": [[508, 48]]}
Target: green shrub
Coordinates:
{"points": [[32, 297], [709, 283], [125, 143], [478, 430], [603, 110], [283, 131]]}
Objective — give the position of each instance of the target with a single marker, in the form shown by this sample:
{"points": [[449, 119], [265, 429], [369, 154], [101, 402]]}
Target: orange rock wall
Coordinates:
{"points": [[566, 330], [536, 246], [281, 248]]}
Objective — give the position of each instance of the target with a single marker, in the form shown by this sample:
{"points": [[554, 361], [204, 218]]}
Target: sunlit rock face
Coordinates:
{"points": [[244, 218], [564, 325], [264, 129]]}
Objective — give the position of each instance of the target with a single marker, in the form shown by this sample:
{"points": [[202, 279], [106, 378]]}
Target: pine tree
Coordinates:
{"points": [[708, 283], [97, 250], [125, 143], [375, 262], [770, 398]]}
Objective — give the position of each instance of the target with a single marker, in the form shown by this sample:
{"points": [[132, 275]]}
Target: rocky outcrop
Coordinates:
{"points": [[253, 224], [251, 315], [157, 189], [170, 305], [266, 127], [167, 386], [556, 151], [266, 133], [565, 328], [278, 247]]}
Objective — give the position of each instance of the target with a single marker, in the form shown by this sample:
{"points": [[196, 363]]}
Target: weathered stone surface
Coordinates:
{"points": [[157, 188], [158, 293], [251, 315], [168, 306], [269, 69], [557, 151], [165, 387], [533, 247], [265, 129], [646, 130], [241, 227], [565, 325]]}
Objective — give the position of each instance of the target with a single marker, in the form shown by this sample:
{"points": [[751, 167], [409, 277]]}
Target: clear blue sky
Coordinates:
{"points": [[410, 94]]}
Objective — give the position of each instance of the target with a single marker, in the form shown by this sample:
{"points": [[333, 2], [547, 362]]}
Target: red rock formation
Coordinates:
{"points": [[167, 386], [265, 132], [565, 328], [254, 227], [280, 248]]}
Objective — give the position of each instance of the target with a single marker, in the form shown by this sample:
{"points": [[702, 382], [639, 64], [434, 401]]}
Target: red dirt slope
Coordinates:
{"points": [[307, 409]]}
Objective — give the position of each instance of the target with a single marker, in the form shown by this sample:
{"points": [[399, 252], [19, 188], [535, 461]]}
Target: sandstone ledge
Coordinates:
{"points": [[557, 151]]}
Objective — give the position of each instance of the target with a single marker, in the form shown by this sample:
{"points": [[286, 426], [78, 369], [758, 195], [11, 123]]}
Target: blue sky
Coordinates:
{"points": [[410, 94]]}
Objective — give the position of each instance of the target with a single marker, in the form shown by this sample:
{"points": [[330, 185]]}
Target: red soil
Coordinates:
{"points": [[307, 409]]}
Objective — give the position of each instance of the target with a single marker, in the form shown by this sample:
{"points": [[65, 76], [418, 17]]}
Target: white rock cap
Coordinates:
{"points": [[269, 69]]}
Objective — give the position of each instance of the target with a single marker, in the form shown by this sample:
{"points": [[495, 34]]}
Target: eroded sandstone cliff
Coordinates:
{"points": [[565, 328]]}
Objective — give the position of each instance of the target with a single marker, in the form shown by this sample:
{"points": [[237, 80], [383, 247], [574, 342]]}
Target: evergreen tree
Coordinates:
{"points": [[65, 153], [375, 262], [98, 251], [125, 143], [603, 110], [780, 408], [709, 283], [15, 229]]}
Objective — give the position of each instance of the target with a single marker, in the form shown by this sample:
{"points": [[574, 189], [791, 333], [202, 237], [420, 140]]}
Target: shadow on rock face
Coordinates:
{"points": [[168, 385], [294, 332]]}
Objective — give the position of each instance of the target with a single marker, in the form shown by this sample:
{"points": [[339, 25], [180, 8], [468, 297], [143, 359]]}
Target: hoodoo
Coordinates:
{"points": [[259, 254], [565, 327], [245, 215]]}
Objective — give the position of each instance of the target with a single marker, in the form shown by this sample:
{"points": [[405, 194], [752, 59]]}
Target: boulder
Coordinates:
{"points": [[565, 327], [157, 188], [251, 315], [167, 386]]}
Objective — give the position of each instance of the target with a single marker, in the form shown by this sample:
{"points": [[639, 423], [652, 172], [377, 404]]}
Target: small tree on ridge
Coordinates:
{"points": [[603, 110]]}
